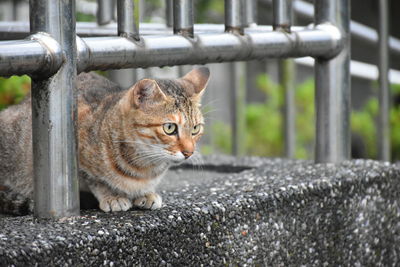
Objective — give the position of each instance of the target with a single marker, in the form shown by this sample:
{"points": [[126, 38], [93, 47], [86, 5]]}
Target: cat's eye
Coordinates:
{"points": [[170, 128], [196, 129]]}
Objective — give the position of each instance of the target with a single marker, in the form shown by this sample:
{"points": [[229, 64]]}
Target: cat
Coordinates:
{"points": [[127, 140]]}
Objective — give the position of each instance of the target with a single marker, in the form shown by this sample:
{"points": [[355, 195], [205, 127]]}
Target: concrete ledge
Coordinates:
{"points": [[259, 212]]}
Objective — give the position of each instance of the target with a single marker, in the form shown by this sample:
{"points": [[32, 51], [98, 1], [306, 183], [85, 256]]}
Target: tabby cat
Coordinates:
{"points": [[127, 140]]}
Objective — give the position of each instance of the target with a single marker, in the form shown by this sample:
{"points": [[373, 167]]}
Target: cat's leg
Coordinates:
{"points": [[149, 201], [108, 200]]}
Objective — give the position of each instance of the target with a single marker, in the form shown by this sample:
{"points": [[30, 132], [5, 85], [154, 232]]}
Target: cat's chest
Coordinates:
{"points": [[135, 187]]}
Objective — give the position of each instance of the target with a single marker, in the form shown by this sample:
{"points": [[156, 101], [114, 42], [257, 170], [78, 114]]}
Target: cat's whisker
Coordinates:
{"points": [[205, 113], [158, 159], [197, 161], [141, 143], [194, 163], [201, 161], [133, 142], [149, 158], [141, 158], [144, 158], [215, 101]]}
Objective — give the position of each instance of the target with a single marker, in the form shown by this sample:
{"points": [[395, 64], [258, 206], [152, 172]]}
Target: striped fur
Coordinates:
{"points": [[123, 148]]}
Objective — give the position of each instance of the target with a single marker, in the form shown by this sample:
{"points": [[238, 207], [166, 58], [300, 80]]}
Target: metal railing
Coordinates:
{"points": [[53, 55], [384, 43], [383, 128]]}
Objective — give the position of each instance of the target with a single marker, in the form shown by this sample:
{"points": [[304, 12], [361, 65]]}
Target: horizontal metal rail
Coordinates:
{"points": [[10, 30], [40, 54], [119, 52], [116, 52]]}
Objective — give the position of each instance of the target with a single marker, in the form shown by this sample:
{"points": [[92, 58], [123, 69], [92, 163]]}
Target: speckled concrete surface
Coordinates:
{"points": [[272, 213]]}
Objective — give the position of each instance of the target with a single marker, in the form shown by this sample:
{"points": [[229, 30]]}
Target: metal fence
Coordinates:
{"points": [[53, 55]]}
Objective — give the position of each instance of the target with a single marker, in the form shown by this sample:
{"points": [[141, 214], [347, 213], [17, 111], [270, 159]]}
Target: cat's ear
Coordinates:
{"points": [[199, 78], [146, 93]]}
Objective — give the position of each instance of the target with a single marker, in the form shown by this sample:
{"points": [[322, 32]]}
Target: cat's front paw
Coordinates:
{"points": [[150, 201], [115, 204]]}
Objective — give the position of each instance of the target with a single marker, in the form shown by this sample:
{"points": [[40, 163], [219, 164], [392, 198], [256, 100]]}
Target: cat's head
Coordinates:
{"points": [[163, 117]]}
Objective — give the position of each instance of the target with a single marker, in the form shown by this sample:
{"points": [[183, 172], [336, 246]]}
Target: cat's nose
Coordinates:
{"points": [[187, 154]]}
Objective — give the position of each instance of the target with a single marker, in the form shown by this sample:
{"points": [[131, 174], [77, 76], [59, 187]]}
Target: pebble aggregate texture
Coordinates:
{"points": [[238, 212]]}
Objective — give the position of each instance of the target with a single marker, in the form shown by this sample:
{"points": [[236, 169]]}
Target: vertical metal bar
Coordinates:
{"points": [[234, 16], [21, 12], [128, 26], [237, 71], [332, 80], [234, 23], [243, 80], [14, 10], [105, 11], [140, 10], [282, 20], [128, 19], [169, 13], [250, 13], [282, 10], [183, 17], [287, 79], [53, 116], [7, 10], [384, 88]]}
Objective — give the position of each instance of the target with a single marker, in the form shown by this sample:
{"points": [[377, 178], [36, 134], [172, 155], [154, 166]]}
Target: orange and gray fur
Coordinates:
{"points": [[127, 140]]}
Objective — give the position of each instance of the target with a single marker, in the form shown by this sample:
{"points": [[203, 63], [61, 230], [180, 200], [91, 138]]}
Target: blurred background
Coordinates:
{"points": [[244, 103]]}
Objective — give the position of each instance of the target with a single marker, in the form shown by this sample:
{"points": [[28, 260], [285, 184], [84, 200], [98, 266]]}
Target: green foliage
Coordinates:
{"points": [[395, 125], [395, 132], [364, 125], [221, 139], [209, 11], [263, 121], [305, 118], [13, 90], [264, 133], [85, 17]]}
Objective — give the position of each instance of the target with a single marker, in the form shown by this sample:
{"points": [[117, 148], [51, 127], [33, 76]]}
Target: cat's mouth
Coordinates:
{"points": [[176, 159]]}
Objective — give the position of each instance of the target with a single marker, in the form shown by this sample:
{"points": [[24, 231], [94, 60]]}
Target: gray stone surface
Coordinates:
{"points": [[251, 211]]}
